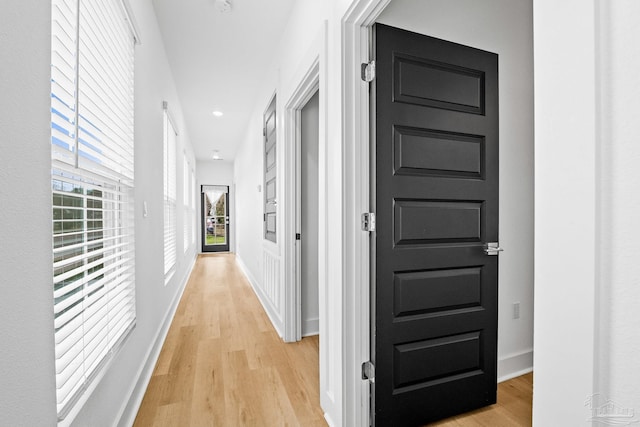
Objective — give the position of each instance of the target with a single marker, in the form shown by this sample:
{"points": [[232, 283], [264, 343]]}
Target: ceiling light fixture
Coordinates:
{"points": [[217, 113], [223, 6], [216, 155]]}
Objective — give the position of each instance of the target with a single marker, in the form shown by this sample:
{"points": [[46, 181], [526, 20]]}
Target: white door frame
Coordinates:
{"points": [[307, 87], [309, 78], [356, 29]]}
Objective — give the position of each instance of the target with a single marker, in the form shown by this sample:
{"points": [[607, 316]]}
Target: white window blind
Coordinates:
{"points": [[170, 176], [194, 219], [92, 65], [186, 210]]}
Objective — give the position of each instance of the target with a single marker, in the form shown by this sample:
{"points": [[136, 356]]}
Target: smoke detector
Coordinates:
{"points": [[223, 6]]}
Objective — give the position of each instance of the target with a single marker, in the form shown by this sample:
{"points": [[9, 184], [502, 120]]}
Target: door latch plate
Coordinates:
{"points": [[369, 371], [492, 248]]}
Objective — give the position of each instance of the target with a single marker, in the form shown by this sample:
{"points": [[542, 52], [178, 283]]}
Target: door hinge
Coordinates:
{"points": [[297, 236], [369, 372], [368, 221], [264, 131], [368, 71]]}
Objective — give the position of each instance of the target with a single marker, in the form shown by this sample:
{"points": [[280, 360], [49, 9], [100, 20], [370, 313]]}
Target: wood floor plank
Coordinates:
{"points": [[223, 364], [513, 408], [206, 410]]}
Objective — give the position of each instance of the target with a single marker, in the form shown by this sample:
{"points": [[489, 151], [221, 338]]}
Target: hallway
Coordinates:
{"points": [[223, 364]]}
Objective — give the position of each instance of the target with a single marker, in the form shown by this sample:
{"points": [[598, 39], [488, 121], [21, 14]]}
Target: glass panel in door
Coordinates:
{"points": [[215, 218]]}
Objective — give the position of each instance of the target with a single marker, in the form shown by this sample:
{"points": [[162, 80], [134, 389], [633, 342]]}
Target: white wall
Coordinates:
{"points": [[249, 197], [27, 390], [587, 178], [216, 172], [617, 342], [503, 27], [565, 212], [27, 394]]}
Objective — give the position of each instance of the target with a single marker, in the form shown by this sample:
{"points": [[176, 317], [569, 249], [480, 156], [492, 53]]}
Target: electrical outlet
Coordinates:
{"points": [[516, 310]]}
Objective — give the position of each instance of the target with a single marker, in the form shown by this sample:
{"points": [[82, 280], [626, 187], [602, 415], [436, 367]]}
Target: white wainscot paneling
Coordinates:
{"points": [[271, 280], [270, 289]]}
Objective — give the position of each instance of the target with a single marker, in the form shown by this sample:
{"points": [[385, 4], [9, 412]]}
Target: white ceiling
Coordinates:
{"points": [[216, 59]]}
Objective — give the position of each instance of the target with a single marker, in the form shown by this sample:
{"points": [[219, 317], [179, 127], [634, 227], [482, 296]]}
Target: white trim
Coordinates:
{"points": [[355, 153], [128, 411], [131, 20], [264, 301], [174, 123], [331, 337], [514, 365], [308, 85], [329, 420]]}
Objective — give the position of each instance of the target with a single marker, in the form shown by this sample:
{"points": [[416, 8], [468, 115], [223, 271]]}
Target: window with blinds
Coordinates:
{"points": [[170, 208], [186, 210], [92, 66], [194, 219]]}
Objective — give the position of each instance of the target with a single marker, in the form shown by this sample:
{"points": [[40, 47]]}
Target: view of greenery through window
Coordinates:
{"points": [[71, 230]]}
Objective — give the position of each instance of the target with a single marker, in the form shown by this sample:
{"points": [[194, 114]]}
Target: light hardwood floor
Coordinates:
{"points": [[223, 364], [512, 410]]}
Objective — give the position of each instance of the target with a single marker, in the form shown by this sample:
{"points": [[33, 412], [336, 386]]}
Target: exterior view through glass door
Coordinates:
{"points": [[215, 218]]}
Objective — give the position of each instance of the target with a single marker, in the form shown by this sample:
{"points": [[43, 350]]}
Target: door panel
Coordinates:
{"points": [[430, 291], [429, 152], [435, 186], [428, 221], [450, 86]]}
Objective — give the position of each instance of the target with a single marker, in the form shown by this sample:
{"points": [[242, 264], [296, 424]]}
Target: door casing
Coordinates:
{"points": [[357, 24], [310, 77], [307, 88]]}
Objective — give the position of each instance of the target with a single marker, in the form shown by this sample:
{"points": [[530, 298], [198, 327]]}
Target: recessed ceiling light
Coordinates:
{"points": [[217, 113]]}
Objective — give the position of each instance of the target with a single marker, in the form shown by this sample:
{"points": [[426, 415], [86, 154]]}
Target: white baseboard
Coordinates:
{"points": [[131, 406], [514, 365], [310, 327], [266, 304], [329, 421]]}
